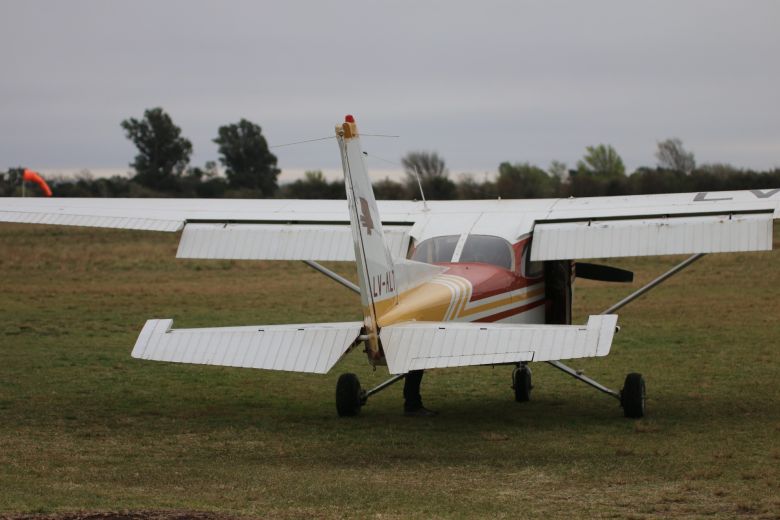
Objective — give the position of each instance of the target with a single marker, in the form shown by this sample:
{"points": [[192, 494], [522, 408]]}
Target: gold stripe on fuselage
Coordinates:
{"points": [[426, 302], [461, 294], [520, 298], [447, 298]]}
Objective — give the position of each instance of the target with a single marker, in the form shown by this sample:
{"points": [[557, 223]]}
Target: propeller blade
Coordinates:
{"points": [[603, 273]]}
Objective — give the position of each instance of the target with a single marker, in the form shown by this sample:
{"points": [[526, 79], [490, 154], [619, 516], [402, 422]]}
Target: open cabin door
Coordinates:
{"points": [[558, 277]]}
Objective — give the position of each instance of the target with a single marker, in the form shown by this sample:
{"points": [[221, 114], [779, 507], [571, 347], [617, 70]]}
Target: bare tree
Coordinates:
{"points": [[672, 156], [427, 164], [433, 175]]}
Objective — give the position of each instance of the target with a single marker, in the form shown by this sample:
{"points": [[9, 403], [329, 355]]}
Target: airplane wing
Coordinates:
{"points": [[277, 229], [680, 223], [423, 345], [311, 348], [172, 214], [241, 229]]}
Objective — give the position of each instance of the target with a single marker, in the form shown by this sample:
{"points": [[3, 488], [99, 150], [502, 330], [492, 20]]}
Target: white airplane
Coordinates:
{"points": [[442, 284]]}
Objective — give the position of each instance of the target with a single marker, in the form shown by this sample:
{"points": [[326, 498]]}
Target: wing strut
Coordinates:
{"points": [[651, 285], [619, 305], [333, 276], [585, 379]]}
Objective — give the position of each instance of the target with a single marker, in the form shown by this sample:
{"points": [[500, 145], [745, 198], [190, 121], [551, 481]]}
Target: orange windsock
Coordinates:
{"points": [[31, 176]]}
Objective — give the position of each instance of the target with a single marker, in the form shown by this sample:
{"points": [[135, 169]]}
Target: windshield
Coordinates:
{"points": [[484, 249], [487, 249], [438, 249]]}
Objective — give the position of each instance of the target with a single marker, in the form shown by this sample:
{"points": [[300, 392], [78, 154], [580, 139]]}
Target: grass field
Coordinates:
{"points": [[84, 427]]}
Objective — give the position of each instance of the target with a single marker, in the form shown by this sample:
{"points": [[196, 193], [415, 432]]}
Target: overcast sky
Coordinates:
{"points": [[479, 82]]}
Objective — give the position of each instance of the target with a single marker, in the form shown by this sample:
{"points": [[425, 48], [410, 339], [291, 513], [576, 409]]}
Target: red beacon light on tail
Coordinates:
{"points": [[348, 128]]}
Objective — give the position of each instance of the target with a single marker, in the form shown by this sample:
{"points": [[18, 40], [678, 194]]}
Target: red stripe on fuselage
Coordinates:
{"points": [[488, 280], [512, 312]]}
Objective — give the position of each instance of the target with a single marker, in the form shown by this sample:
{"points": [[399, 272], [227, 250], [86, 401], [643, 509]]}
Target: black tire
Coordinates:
{"points": [[632, 397], [521, 382], [348, 395]]}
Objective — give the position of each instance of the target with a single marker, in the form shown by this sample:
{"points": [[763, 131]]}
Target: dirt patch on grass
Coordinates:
{"points": [[123, 515]]}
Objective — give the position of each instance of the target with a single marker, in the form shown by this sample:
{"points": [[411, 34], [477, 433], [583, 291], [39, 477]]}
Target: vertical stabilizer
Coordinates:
{"points": [[376, 274]]}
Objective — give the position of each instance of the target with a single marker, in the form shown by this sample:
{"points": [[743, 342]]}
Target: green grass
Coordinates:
{"points": [[85, 427]]}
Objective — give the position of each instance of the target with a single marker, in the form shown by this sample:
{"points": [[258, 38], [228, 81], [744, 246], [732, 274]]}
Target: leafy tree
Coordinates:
{"points": [[163, 153], [524, 181], [440, 188], [433, 175], [601, 161], [558, 170], [248, 162], [470, 189], [203, 182], [672, 156], [314, 186], [11, 181], [647, 181], [209, 171], [388, 189]]}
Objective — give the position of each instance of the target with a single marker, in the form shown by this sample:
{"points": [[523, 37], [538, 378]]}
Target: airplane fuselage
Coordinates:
{"points": [[474, 292]]}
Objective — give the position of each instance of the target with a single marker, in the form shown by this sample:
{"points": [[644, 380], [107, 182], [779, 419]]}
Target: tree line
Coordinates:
{"points": [[161, 168]]}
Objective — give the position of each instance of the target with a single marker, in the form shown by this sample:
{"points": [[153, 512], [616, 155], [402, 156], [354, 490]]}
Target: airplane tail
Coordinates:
{"points": [[376, 271]]}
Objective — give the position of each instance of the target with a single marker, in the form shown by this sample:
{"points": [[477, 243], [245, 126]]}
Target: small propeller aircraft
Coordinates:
{"points": [[441, 284]]}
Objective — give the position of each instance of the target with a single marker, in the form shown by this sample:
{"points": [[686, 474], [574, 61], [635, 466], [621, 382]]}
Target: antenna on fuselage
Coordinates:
{"points": [[419, 184], [414, 169]]}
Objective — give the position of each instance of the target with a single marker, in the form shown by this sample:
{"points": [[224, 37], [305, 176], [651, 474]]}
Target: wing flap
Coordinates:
{"points": [[652, 236], [311, 348], [424, 345], [318, 242]]}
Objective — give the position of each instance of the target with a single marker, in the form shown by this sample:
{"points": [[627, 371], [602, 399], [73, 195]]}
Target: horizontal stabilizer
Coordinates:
{"points": [[421, 345], [312, 348]]}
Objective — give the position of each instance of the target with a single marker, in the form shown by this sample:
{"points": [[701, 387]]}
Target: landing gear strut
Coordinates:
{"points": [[632, 397]]}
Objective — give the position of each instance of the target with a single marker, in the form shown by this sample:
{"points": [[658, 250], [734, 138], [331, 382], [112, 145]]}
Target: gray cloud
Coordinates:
{"points": [[516, 81]]}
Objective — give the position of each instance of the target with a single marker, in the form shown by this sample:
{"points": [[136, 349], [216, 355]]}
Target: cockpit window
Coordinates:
{"points": [[531, 269], [437, 249], [483, 249], [487, 249]]}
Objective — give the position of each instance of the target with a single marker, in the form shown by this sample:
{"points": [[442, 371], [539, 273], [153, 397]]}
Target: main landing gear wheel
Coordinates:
{"points": [[521, 382], [349, 395], [632, 397]]}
